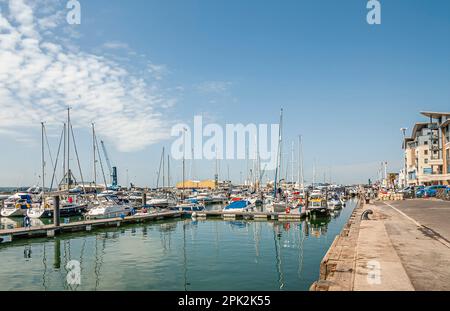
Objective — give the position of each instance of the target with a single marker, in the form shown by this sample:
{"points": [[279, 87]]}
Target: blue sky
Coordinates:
{"points": [[346, 86]]}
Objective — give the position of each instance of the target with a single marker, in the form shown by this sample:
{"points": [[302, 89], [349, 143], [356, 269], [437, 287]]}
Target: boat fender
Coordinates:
{"points": [[288, 210], [194, 215], [18, 205], [27, 221]]}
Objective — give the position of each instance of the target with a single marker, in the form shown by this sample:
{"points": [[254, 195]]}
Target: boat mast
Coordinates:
{"points": [[64, 153], [95, 160], [314, 173], [168, 171], [292, 163], [216, 172], [278, 154], [43, 160], [281, 145], [299, 159], [184, 160], [301, 177], [68, 148], [163, 168]]}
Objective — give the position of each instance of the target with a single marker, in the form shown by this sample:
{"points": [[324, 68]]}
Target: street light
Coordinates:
{"points": [[403, 130]]}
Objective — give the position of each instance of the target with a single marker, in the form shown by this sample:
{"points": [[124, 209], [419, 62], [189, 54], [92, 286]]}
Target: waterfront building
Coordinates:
{"points": [[427, 152], [197, 185]]}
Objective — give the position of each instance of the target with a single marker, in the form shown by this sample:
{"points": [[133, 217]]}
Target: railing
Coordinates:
{"points": [[443, 194]]}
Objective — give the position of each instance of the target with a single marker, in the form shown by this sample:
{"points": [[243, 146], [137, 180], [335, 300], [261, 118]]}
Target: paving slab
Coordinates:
{"points": [[424, 254], [378, 267]]}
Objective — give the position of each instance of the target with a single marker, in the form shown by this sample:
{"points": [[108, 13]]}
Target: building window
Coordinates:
{"points": [[425, 161], [425, 152]]}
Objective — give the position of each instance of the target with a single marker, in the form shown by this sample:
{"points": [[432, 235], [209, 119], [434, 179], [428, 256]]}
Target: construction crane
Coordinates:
{"points": [[112, 169]]}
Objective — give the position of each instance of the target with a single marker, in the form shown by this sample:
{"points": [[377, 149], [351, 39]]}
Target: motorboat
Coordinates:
{"points": [[317, 204], [190, 205], [334, 204], [136, 196], [278, 206], [66, 209], [218, 198], [204, 197], [4, 196], [161, 202], [107, 193], [239, 206], [108, 206], [17, 205]]}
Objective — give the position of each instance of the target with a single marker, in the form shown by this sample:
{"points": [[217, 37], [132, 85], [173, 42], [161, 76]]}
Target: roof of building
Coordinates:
{"points": [[435, 115], [444, 124], [417, 127], [407, 140]]}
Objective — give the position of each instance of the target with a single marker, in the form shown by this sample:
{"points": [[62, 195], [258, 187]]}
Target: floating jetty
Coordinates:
{"points": [[9, 235], [247, 215]]}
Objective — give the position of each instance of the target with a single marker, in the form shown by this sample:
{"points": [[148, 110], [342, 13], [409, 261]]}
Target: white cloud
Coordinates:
{"points": [[158, 71], [40, 76], [116, 45], [213, 87]]}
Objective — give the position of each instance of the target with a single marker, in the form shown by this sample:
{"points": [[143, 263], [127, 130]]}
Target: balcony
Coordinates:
{"points": [[435, 147], [433, 161], [433, 178]]}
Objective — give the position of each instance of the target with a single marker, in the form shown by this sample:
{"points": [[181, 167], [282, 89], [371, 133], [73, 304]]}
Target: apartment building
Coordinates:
{"points": [[427, 151]]}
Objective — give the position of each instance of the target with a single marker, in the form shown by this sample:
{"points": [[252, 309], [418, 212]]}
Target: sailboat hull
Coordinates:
{"points": [[63, 212]]}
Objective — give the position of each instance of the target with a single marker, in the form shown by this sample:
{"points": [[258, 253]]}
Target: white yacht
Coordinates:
{"points": [[135, 196], [108, 206], [17, 205], [334, 204], [67, 209], [164, 202], [239, 207]]}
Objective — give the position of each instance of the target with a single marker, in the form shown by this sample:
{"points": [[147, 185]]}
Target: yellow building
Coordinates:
{"points": [[194, 184]]}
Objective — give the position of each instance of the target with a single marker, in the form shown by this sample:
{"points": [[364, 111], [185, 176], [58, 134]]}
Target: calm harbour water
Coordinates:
{"points": [[177, 255]]}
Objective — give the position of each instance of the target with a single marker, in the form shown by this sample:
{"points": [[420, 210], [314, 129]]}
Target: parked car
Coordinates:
{"points": [[420, 191], [430, 191], [406, 190]]}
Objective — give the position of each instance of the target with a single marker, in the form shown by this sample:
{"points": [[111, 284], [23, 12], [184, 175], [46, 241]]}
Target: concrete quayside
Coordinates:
{"points": [[400, 246]]}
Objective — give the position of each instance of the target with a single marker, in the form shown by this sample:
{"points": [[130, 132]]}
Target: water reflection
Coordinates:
{"points": [[18, 222], [183, 253]]}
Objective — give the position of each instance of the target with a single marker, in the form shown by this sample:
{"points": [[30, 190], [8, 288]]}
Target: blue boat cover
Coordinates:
{"points": [[237, 205]]}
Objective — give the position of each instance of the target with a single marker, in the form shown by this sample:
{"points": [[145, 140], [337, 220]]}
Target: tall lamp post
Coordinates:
{"points": [[405, 173]]}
